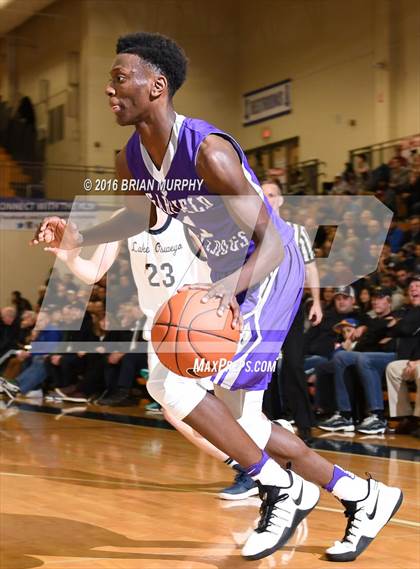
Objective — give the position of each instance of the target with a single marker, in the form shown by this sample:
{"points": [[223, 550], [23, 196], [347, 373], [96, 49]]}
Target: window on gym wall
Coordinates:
{"points": [[56, 124], [274, 159]]}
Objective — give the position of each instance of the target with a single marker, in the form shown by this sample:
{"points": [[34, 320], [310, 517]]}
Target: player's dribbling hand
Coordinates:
{"points": [[227, 299], [57, 233]]}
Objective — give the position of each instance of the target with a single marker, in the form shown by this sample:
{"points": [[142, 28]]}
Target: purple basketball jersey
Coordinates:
{"points": [[268, 308], [177, 189]]}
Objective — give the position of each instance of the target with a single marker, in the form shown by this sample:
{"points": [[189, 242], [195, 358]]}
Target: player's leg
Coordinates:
{"points": [[275, 313], [210, 417], [246, 408], [287, 498], [294, 494], [193, 437]]}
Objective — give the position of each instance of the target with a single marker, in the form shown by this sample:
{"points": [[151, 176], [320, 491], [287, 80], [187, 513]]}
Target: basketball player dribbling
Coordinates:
{"points": [[260, 278]]}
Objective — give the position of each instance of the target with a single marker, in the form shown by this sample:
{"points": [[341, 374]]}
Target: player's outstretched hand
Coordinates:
{"points": [[57, 233], [227, 297]]}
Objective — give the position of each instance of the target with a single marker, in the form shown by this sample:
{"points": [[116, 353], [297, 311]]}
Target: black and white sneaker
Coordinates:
{"points": [[372, 425], [337, 423], [281, 511], [365, 520], [9, 386]]}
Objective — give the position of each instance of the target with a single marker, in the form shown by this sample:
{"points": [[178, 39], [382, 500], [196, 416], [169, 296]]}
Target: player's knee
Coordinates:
{"points": [[179, 398], [156, 391], [259, 429]]}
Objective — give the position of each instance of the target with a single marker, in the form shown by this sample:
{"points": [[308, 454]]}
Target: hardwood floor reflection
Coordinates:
{"points": [[80, 493]]}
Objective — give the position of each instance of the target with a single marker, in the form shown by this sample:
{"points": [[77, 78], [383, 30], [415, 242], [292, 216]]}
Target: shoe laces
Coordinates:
{"points": [[351, 512], [241, 477], [268, 516]]}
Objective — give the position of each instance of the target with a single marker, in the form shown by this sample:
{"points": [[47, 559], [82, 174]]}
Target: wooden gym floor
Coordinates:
{"points": [[99, 490]]}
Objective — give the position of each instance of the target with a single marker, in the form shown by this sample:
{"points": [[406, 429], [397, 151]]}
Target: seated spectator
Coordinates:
{"points": [[399, 175], [387, 260], [20, 303], [395, 236], [319, 340], [121, 371], [398, 374], [369, 349], [9, 329], [30, 380], [91, 380], [388, 280], [400, 153], [362, 170], [403, 276], [327, 297], [412, 235], [364, 300], [412, 197], [339, 186], [14, 364], [65, 369], [386, 195], [365, 217], [342, 270], [416, 260], [374, 231], [407, 328]]}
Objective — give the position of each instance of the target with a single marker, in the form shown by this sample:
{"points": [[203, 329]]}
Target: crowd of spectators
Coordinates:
{"points": [[74, 374], [395, 183], [367, 342], [369, 337]]}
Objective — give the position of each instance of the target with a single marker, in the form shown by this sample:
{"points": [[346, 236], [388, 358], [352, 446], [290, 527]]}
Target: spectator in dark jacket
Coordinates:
{"points": [[395, 236], [370, 349], [9, 329], [20, 303], [35, 371], [320, 340]]}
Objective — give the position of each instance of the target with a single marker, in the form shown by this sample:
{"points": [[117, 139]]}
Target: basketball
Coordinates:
{"points": [[189, 337]]}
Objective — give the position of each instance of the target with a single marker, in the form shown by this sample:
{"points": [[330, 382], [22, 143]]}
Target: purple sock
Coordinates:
{"points": [[337, 474], [256, 468]]}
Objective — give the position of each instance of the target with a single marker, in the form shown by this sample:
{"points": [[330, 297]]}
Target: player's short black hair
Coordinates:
{"points": [[160, 51]]}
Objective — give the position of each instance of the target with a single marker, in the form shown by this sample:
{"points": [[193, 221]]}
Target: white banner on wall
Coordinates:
{"points": [[267, 102], [24, 214]]}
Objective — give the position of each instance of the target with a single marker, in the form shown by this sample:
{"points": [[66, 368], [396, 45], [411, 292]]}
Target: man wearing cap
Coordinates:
{"points": [[319, 343], [320, 340], [372, 349]]}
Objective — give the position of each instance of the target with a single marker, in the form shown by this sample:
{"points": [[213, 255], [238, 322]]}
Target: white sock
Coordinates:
{"points": [[272, 474], [351, 488]]}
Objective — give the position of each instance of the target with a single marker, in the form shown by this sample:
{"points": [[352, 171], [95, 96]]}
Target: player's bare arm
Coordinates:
{"points": [[312, 281], [219, 166], [131, 220]]}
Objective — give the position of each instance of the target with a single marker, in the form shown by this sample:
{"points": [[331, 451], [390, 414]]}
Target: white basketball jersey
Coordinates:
{"points": [[162, 260]]}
